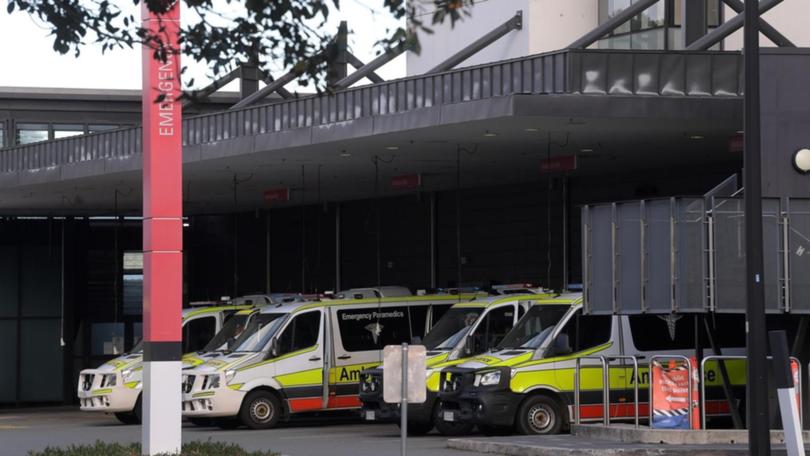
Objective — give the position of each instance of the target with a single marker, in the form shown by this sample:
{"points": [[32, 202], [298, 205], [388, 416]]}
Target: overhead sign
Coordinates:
{"points": [[415, 391], [277, 195], [407, 181], [559, 164]]}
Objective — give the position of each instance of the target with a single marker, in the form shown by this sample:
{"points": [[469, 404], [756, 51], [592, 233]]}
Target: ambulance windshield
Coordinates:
{"points": [[451, 328], [226, 338], [533, 329], [259, 331]]}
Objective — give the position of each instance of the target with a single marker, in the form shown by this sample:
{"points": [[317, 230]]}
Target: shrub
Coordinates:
{"points": [[134, 449]]}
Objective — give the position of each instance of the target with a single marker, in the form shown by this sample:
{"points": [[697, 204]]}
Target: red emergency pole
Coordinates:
{"points": [[162, 234]]}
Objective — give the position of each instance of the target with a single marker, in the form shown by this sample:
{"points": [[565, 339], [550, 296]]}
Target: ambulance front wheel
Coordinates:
{"points": [[540, 415], [260, 410]]}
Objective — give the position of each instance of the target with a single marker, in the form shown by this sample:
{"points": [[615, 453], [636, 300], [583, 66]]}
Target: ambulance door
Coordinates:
{"points": [[361, 332], [585, 336], [298, 352], [197, 331]]}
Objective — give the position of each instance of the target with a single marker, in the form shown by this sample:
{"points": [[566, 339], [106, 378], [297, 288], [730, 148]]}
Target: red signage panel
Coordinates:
{"points": [[277, 194], [407, 181], [162, 180], [559, 164]]}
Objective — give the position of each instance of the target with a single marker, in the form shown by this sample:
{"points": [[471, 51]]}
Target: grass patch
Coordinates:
{"points": [[134, 449]]}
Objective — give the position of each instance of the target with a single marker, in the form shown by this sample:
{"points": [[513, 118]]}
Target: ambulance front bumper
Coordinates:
{"points": [[104, 391], [463, 402], [210, 403], [374, 408]]}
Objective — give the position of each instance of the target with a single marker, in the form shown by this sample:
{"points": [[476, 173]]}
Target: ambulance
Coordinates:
{"points": [[307, 356], [526, 384], [467, 329], [115, 387]]}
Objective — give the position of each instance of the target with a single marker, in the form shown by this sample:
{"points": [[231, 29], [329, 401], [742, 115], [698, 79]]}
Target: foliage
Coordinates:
{"points": [[282, 33], [116, 449]]}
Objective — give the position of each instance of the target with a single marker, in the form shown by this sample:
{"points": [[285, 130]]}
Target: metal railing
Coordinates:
{"points": [[587, 72], [793, 359], [690, 384], [605, 388], [605, 365]]}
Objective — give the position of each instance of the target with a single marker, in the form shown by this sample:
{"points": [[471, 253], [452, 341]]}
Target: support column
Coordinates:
{"points": [[695, 20], [162, 237]]}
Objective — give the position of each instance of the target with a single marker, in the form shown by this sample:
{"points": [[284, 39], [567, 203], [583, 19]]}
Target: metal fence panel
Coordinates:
{"points": [[690, 254], [798, 251], [599, 259], [628, 257], [657, 256]]}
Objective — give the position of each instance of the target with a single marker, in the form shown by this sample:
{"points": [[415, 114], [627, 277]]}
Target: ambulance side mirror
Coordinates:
{"points": [[416, 340], [274, 349]]}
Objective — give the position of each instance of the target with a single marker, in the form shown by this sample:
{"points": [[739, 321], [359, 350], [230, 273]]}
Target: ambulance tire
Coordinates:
{"points": [[137, 411], [260, 410], [450, 429], [127, 418], [540, 415]]}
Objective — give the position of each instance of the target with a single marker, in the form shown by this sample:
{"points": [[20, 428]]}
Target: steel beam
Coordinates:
{"points": [[207, 91], [617, 20], [514, 23], [268, 78], [267, 90], [759, 438], [764, 27], [728, 27], [369, 68], [358, 64]]}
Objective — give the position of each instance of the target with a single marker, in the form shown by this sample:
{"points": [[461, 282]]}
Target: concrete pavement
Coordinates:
{"points": [[21, 431]]}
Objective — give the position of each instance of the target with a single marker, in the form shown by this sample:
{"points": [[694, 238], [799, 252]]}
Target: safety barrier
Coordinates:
{"points": [[605, 388], [605, 363], [688, 363], [740, 358]]}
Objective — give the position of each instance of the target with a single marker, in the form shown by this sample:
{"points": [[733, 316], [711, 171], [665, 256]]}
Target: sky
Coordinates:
{"points": [[28, 59]]}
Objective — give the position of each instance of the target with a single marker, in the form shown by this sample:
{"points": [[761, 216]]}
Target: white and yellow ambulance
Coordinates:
{"points": [[115, 386], [307, 356], [527, 383], [467, 329]]}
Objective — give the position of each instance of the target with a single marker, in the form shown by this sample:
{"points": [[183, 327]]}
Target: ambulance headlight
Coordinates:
{"points": [[126, 374], [229, 375], [488, 379]]}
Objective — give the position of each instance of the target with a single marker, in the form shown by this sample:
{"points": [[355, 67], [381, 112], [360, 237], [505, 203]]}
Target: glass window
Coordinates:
{"points": [[587, 331], [418, 320], [259, 331], [97, 128], [372, 328], [31, 133], [106, 339], [133, 294], [451, 328], [8, 353], [41, 361], [301, 333], [533, 329], [67, 130], [133, 261], [437, 311], [493, 327], [2, 136], [197, 333], [137, 337], [226, 338], [663, 332]]}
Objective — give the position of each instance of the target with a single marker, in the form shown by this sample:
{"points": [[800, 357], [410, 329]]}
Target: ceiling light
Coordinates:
{"points": [[490, 134], [801, 161], [531, 129], [391, 147], [695, 136], [345, 154], [586, 150]]}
